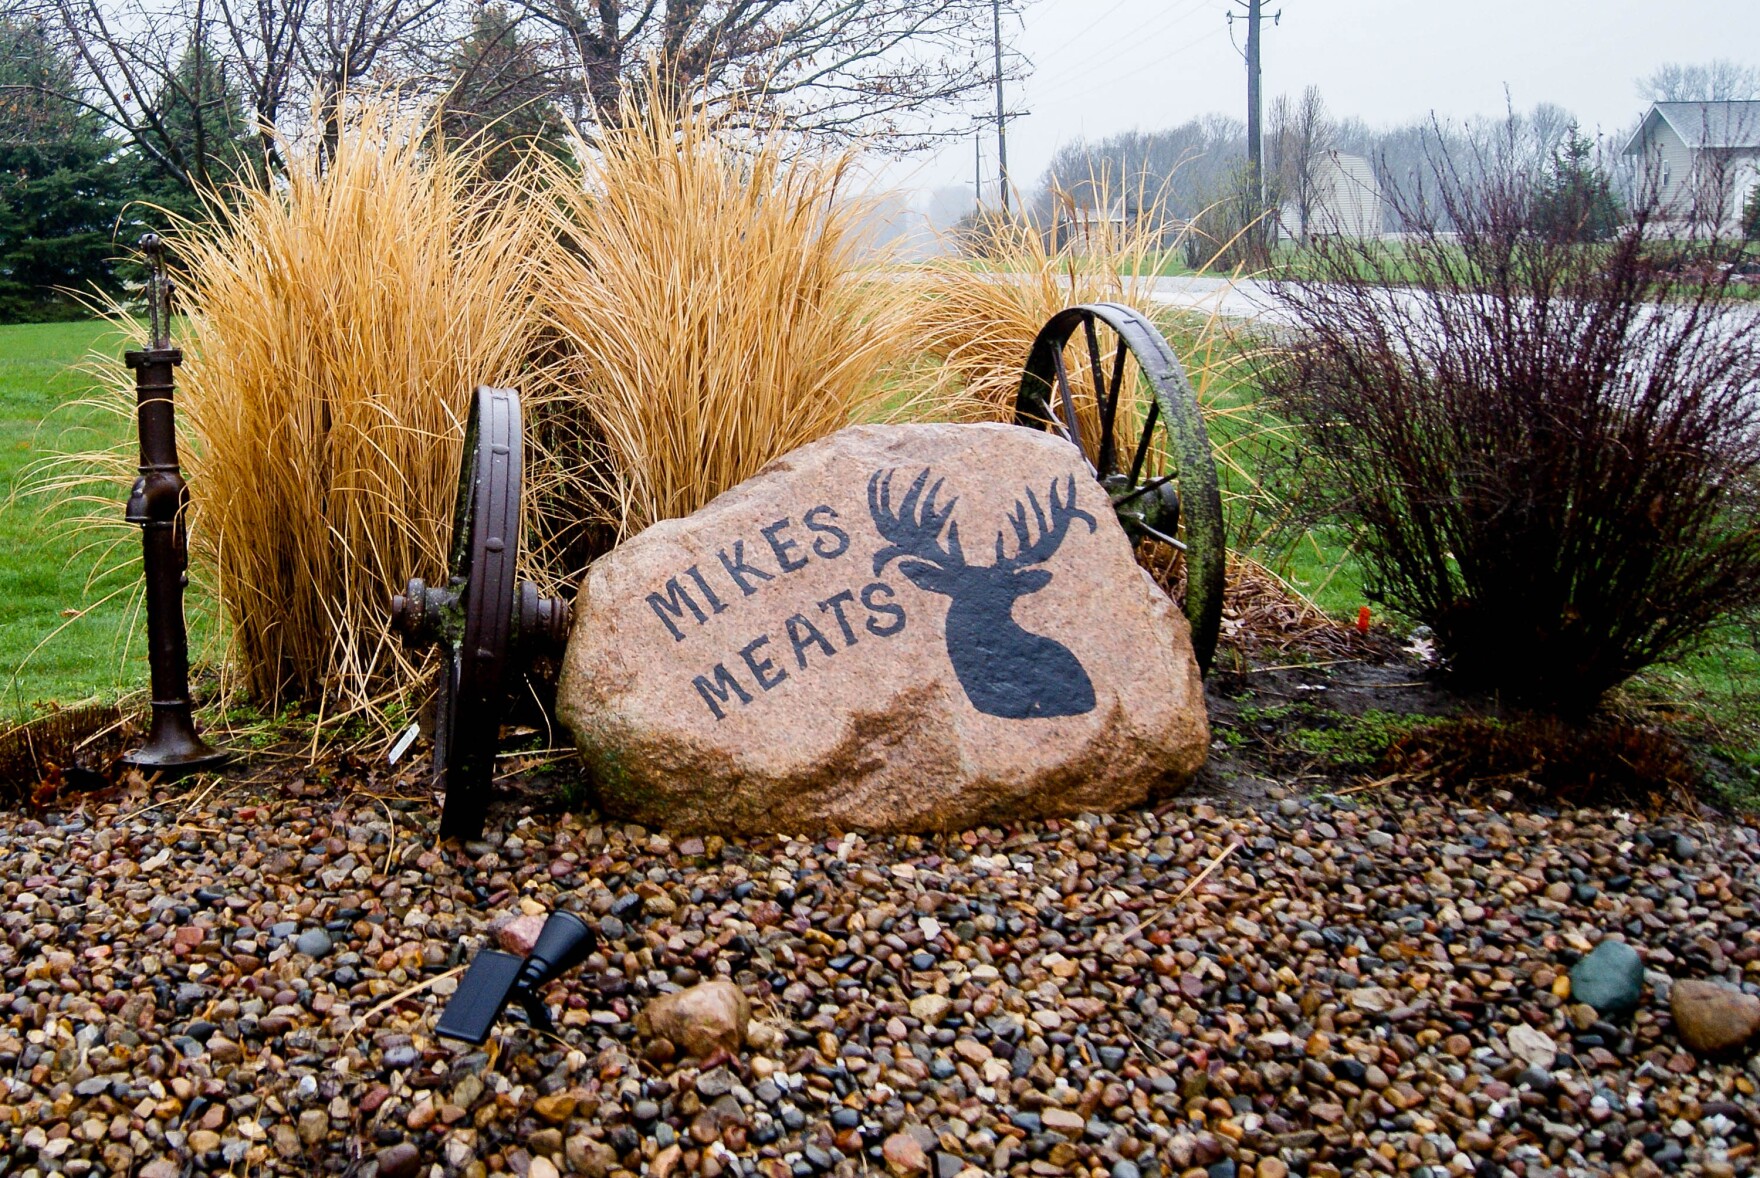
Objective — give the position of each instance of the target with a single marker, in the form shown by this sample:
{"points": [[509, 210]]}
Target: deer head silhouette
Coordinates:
{"points": [[1006, 671]]}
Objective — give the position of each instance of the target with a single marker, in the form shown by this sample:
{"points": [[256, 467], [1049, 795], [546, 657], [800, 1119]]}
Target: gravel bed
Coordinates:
{"points": [[1374, 983]]}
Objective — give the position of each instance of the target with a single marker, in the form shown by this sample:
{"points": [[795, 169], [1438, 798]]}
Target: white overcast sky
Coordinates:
{"points": [[1103, 66]]}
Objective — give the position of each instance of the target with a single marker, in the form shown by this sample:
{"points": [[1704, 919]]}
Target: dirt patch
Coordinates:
{"points": [[1318, 726]]}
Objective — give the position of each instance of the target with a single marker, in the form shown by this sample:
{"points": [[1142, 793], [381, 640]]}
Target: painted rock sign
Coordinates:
{"points": [[904, 627]]}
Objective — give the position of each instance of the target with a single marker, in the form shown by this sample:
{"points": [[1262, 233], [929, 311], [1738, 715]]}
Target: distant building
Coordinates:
{"points": [[1076, 222], [1094, 228], [1703, 156], [1344, 199]]}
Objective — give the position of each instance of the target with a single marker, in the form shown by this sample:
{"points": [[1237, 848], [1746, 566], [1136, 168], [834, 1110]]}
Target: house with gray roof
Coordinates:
{"points": [[1703, 156]]}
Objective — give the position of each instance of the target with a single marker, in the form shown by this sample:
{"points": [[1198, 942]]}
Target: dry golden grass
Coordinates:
{"points": [[704, 286], [979, 325], [690, 305], [335, 328]]}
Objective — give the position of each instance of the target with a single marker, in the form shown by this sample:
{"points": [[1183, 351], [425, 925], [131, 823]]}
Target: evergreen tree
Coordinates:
{"points": [[1574, 200], [499, 93], [63, 182]]}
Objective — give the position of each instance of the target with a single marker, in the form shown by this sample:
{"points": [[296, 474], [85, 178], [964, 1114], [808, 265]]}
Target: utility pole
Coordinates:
{"points": [[1001, 115], [978, 170], [1255, 131]]}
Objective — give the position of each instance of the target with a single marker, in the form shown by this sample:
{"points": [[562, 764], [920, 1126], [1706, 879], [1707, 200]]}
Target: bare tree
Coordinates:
{"points": [[1720, 80], [130, 57], [1173, 173], [843, 67], [877, 67], [346, 41], [1302, 137], [499, 94], [263, 37], [1546, 128], [285, 59]]}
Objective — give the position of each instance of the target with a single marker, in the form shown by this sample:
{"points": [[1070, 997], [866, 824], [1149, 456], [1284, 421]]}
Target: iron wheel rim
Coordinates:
{"points": [[481, 569], [1134, 469]]}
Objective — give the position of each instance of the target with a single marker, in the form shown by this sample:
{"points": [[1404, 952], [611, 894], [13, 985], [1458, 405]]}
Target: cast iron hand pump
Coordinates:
{"points": [[159, 503]]}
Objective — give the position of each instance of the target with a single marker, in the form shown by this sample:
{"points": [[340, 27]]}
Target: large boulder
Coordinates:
{"points": [[895, 628]]}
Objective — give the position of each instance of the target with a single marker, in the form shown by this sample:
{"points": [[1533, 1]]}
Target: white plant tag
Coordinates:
{"points": [[403, 742]]}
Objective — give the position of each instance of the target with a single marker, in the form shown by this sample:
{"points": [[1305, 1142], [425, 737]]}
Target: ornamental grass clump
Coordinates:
{"points": [[706, 291], [336, 326], [978, 313], [1547, 448]]}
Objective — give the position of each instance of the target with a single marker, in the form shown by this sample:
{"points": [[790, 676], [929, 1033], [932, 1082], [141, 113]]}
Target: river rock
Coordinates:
{"points": [[1611, 979], [519, 934], [904, 1156], [314, 942], [400, 1161], [702, 1019], [1712, 1017], [894, 628], [1532, 1046]]}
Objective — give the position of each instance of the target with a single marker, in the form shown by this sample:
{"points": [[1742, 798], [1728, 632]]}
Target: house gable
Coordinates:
{"points": [[1701, 151]]}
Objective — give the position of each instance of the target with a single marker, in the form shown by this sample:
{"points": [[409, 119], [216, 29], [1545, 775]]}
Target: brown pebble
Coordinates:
{"points": [[555, 1108], [399, 1161], [421, 1116], [904, 1155]]}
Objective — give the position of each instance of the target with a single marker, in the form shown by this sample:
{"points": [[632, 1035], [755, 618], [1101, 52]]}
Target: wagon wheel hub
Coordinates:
{"points": [[1147, 512], [424, 615]]}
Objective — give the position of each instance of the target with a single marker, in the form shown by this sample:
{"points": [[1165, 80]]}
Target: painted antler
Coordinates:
{"points": [[1030, 551], [914, 530]]}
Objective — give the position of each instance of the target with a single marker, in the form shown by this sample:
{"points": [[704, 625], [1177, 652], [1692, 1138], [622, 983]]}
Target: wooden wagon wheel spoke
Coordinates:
{"points": [[1169, 496]]}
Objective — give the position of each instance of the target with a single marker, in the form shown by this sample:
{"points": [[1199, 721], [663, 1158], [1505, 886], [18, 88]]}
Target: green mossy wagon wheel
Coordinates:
{"points": [[1101, 376]]}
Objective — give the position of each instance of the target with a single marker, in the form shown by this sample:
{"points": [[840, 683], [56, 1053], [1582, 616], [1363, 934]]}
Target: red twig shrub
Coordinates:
{"points": [[1549, 447]]}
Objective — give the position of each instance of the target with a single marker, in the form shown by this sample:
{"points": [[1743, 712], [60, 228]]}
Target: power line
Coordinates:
{"points": [[1077, 71], [1142, 35], [1095, 25], [1159, 63]]}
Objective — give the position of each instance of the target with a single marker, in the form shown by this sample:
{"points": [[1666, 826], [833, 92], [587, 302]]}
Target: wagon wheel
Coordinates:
{"points": [[1128, 405], [482, 622]]}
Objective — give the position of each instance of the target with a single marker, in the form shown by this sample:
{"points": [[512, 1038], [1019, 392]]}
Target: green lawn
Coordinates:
{"points": [[64, 635], [1317, 562]]}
